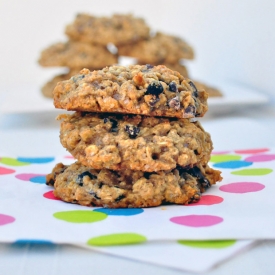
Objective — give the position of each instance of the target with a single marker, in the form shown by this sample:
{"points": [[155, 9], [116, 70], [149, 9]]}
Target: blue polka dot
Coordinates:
{"points": [[120, 211], [232, 164], [36, 160], [38, 179], [32, 241]]}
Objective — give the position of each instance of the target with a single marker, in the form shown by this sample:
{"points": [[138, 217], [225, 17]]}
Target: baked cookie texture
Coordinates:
{"points": [[127, 189], [134, 142], [135, 89], [117, 29], [159, 49], [76, 55]]}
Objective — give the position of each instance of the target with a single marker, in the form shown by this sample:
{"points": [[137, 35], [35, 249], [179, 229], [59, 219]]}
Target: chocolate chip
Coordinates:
{"points": [[154, 88], [50, 182], [191, 109], [172, 87], [149, 66], [119, 198], [80, 177], [194, 89], [174, 103], [113, 123], [196, 172], [132, 131]]}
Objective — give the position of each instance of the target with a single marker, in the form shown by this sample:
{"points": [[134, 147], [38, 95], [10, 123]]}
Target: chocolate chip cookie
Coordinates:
{"points": [[159, 49], [134, 142], [117, 29], [128, 189], [135, 89], [77, 55]]}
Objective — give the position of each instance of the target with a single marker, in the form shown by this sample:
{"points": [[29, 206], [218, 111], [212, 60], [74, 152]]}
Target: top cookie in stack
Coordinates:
{"points": [[136, 89]]}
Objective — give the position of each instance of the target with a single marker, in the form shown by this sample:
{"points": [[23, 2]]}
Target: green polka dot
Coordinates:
{"points": [[80, 216], [222, 158], [253, 172], [13, 162], [117, 239], [208, 244]]}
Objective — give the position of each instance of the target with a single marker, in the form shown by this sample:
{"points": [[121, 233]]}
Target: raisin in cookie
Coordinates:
{"points": [[79, 184], [135, 89], [159, 49], [77, 55], [134, 142], [117, 29]]}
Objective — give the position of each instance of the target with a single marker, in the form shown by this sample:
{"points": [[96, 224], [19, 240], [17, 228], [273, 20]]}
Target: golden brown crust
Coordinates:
{"points": [[79, 184], [134, 89], [77, 55], [117, 29], [134, 142], [159, 49]]}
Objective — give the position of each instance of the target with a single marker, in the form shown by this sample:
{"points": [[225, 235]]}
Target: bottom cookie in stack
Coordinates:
{"points": [[79, 184]]}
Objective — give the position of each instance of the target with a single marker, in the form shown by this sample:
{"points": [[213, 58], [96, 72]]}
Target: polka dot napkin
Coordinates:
{"points": [[241, 208]]}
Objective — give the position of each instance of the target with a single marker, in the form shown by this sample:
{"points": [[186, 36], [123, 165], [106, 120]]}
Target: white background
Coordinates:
{"points": [[232, 39]]}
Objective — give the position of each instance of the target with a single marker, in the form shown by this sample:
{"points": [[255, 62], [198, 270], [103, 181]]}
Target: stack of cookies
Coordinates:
{"points": [[134, 137], [96, 42]]}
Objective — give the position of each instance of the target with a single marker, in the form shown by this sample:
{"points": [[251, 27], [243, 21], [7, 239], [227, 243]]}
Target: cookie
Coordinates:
{"points": [[117, 29], [128, 189], [134, 142], [159, 49], [48, 87], [179, 68], [135, 89], [77, 55], [212, 91]]}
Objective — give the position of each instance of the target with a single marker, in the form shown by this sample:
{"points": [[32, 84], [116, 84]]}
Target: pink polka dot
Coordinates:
{"points": [[220, 152], [5, 219], [49, 195], [207, 200], [27, 177], [6, 171], [252, 151], [260, 158], [242, 187], [69, 157], [197, 220]]}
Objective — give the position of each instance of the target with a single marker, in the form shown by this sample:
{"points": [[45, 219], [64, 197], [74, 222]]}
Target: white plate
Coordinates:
{"points": [[234, 97], [30, 99]]}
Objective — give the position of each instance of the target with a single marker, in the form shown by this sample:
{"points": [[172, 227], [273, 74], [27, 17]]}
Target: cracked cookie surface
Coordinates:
{"points": [[134, 142], [135, 89], [113, 189]]}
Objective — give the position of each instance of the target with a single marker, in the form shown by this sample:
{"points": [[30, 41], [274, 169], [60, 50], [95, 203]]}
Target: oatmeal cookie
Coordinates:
{"points": [[159, 49], [77, 55], [135, 89], [179, 68], [134, 142], [128, 189], [117, 29]]}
